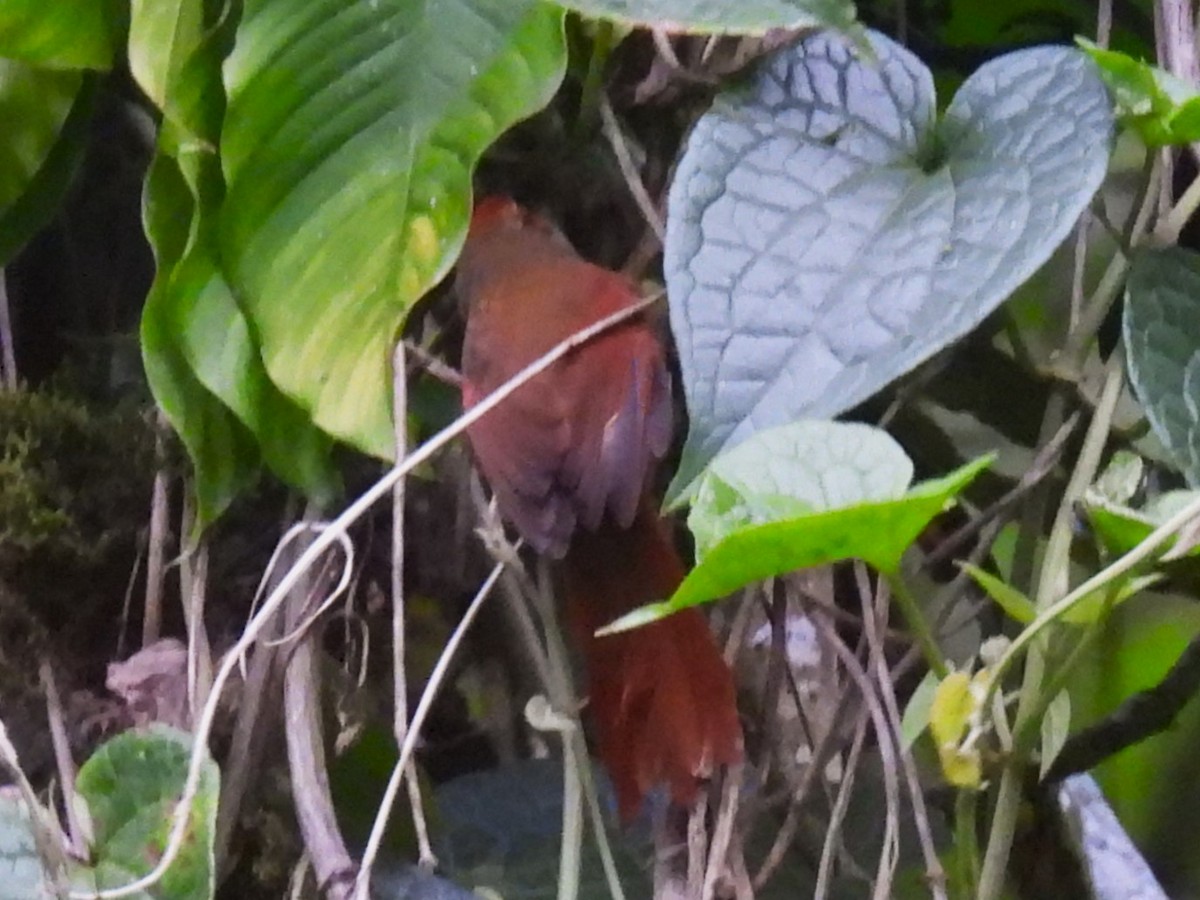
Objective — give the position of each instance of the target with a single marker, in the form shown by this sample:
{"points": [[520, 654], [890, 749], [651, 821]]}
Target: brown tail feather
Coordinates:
{"points": [[661, 696]]}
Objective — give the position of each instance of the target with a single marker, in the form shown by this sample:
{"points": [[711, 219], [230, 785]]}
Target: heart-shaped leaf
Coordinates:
{"points": [[1162, 340], [825, 233], [348, 145], [743, 17]]}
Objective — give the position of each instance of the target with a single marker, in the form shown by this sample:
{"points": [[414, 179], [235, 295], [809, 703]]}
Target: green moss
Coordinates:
{"points": [[71, 478]]}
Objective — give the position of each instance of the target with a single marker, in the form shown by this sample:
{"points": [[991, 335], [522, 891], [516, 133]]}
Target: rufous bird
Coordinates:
{"points": [[570, 458]]}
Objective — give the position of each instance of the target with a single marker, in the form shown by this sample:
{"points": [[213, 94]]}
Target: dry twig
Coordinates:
{"points": [[426, 857], [873, 618], [315, 551], [76, 831], [332, 863], [866, 689], [8, 355], [157, 542]]}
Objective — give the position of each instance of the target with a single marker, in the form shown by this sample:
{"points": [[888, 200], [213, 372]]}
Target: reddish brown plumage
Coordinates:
{"points": [[569, 458]]}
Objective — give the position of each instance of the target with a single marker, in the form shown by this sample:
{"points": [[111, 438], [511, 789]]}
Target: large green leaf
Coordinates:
{"points": [[131, 785], [222, 450], [1162, 340], [203, 341], [67, 34], [182, 178], [349, 142], [176, 48], [215, 339], [34, 105], [45, 115], [825, 233], [743, 17]]}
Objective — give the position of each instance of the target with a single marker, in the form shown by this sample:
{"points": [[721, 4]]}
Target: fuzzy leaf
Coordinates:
{"points": [[826, 233], [1162, 337]]}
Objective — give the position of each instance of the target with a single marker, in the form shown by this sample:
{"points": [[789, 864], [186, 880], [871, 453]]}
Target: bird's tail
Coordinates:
{"points": [[661, 696]]}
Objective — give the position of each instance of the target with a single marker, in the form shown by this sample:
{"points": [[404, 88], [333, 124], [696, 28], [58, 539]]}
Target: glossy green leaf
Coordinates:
{"points": [[131, 786], [182, 180], [1100, 604], [1018, 607], [1162, 340], [1161, 108], [201, 340], [1086, 612], [743, 17], [34, 105], [163, 35], [826, 233], [222, 449], [214, 338], [348, 146], [45, 115], [1136, 647], [794, 470], [1121, 528], [65, 34], [176, 49], [875, 531]]}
